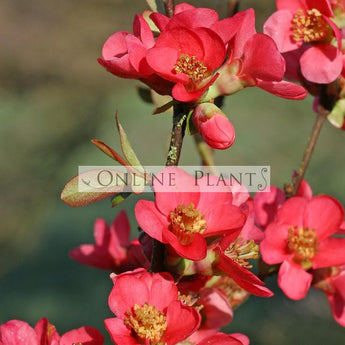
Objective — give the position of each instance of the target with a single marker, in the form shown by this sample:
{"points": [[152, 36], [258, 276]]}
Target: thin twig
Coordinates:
{"points": [[177, 134], [233, 7], [169, 7]]}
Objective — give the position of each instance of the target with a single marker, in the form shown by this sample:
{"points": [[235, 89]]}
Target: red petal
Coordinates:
{"points": [[119, 333], [85, 335], [193, 18], [196, 250], [141, 29], [16, 332], [294, 280], [129, 289], [292, 211], [273, 247], [324, 6], [121, 228], [292, 5], [162, 61], [262, 59], [221, 339], [177, 330], [331, 252], [278, 26], [328, 59], [151, 220], [324, 214], [173, 186], [283, 89], [160, 20]]}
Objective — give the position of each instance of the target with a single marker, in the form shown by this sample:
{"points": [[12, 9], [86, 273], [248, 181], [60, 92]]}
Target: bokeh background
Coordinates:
{"points": [[54, 98]]}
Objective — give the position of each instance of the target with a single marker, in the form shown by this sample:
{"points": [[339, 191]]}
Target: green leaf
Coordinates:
{"points": [[156, 5], [190, 125], [83, 189], [109, 151], [337, 115], [127, 148]]}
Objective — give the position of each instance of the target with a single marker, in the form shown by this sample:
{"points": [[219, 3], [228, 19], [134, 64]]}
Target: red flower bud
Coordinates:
{"points": [[213, 125]]}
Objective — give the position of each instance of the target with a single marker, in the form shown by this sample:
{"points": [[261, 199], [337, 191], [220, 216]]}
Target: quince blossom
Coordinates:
{"points": [[148, 310], [184, 220], [307, 24], [113, 249], [299, 238], [17, 332]]}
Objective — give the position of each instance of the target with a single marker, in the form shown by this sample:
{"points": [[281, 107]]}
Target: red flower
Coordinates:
{"points": [[333, 285], [145, 315], [232, 257], [254, 60], [112, 249], [213, 125], [307, 22], [188, 211], [299, 238], [16, 332]]}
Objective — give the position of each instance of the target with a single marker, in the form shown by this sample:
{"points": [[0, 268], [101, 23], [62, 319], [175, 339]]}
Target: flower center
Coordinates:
{"points": [[241, 251], [303, 243], [310, 26], [193, 68], [185, 222], [147, 322]]}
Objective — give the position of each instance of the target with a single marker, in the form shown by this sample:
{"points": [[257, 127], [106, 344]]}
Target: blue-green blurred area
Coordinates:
{"points": [[54, 98]]}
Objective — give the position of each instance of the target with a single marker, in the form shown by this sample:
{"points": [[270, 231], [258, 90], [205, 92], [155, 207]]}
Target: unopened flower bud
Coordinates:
{"points": [[214, 126]]}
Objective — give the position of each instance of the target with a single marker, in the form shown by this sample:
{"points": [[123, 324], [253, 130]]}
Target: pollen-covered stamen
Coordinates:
{"points": [[241, 251], [77, 343], [185, 222], [146, 322], [193, 68], [310, 26], [191, 300], [303, 243]]}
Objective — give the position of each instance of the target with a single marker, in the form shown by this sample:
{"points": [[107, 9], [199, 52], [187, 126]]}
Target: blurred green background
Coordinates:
{"points": [[54, 98]]}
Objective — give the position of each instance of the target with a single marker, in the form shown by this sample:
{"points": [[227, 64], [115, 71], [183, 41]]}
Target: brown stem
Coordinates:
{"points": [[177, 134], [169, 7], [321, 116], [233, 7]]}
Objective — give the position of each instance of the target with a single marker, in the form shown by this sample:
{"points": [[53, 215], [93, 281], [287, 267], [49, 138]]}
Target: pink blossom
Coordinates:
{"points": [[112, 249], [332, 283], [185, 219], [145, 315], [308, 23], [254, 60], [299, 238], [213, 125], [16, 332]]}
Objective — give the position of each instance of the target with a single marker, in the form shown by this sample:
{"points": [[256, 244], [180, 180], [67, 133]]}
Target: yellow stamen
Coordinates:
{"points": [[193, 68], [185, 222], [303, 243], [147, 322], [241, 251], [309, 26]]}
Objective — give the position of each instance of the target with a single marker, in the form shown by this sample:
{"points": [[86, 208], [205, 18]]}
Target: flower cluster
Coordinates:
{"points": [[193, 261], [197, 57]]}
